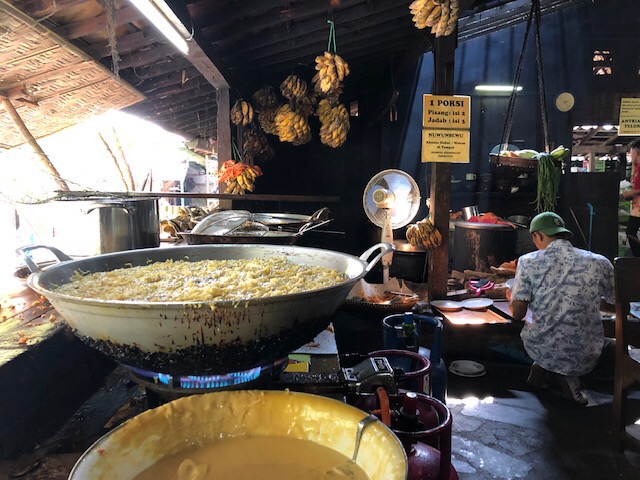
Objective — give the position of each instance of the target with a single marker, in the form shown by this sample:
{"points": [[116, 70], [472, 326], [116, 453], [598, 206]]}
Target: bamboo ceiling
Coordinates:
{"points": [[51, 83]]}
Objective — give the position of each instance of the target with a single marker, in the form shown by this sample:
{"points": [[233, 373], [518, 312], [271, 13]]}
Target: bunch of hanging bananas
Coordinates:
{"points": [[332, 69], [255, 145], [440, 15], [293, 87], [238, 176], [241, 113], [323, 110], [334, 123], [266, 105], [424, 234], [305, 105], [291, 126], [245, 181]]}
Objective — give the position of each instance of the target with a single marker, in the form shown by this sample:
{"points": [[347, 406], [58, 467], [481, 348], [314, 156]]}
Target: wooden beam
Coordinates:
{"points": [[98, 24], [26, 134], [126, 43], [174, 78], [224, 134], [41, 8], [146, 57], [145, 74], [440, 191], [348, 21], [200, 54]]}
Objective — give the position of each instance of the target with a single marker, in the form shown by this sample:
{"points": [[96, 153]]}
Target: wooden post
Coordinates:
{"points": [[440, 190], [224, 136], [8, 106]]}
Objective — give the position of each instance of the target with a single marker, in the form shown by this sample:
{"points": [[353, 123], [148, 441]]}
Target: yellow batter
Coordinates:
{"points": [[256, 458], [201, 281]]}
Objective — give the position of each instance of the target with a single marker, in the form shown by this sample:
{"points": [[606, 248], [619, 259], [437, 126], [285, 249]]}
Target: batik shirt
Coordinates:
{"points": [[564, 286]]}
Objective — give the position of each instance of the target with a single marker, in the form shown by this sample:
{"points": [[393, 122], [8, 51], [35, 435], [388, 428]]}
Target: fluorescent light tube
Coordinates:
{"points": [[498, 88], [150, 10]]}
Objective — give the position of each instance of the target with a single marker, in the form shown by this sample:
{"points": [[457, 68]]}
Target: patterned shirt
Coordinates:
{"points": [[563, 286]]}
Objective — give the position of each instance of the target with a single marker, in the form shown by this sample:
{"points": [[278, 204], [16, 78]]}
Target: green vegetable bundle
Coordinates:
{"points": [[548, 182]]}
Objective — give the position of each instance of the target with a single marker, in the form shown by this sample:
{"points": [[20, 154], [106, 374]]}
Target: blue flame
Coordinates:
{"points": [[217, 381]]}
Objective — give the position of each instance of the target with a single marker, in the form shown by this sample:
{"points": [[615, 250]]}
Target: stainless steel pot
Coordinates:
{"points": [[200, 337], [127, 223]]}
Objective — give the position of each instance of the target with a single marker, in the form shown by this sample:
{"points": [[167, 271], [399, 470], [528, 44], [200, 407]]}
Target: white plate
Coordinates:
{"points": [[476, 303], [467, 368], [446, 305]]}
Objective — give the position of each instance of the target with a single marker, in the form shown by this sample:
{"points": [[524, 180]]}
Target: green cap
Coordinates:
{"points": [[548, 223]]}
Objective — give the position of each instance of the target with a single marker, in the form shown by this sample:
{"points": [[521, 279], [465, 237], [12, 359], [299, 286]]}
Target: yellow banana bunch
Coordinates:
{"points": [[239, 177], [245, 182], [440, 15], [241, 113], [424, 234], [293, 87], [334, 127], [332, 70], [323, 110], [291, 126]]}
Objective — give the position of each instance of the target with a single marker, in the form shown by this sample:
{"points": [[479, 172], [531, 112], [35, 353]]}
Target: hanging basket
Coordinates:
{"points": [[517, 162]]}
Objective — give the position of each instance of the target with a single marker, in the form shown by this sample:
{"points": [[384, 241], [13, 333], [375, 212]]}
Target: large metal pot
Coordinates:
{"points": [[202, 419], [200, 337], [127, 223]]}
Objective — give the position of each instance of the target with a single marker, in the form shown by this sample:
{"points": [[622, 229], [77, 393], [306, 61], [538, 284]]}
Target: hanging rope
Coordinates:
{"points": [[332, 37], [540, 72], [111, 35], [508, 122]]}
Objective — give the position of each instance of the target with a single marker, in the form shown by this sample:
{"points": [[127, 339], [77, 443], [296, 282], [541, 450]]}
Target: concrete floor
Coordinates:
{"points": [[502, 429]]}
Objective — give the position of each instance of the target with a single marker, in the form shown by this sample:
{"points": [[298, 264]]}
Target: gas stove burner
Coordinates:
{"points": [[169, 386]]}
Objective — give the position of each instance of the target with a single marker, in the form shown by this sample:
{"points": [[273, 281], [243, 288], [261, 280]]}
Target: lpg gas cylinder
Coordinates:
{"points": [[428, 448]]}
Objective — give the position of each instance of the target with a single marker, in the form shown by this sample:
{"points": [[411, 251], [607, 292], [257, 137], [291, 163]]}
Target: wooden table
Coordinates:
{"points": [[44, 368]]}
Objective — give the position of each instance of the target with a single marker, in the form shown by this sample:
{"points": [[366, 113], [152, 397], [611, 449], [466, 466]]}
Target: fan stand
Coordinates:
{"points": [[391, 200], [384, 200]]}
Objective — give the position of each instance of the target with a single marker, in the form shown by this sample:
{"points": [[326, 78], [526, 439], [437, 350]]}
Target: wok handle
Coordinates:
{"points": [[33, 266], [386, 248]]}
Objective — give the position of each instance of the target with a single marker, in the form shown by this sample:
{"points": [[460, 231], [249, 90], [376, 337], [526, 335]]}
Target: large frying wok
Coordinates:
{"points": [[206, 337]]}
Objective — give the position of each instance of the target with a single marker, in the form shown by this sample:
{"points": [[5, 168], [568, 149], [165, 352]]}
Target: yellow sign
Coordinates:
{"points": [[441, 145], [629, 116], [446, 111]]}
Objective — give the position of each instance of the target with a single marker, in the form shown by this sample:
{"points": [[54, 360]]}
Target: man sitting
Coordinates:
{"points": [[563, 287]]}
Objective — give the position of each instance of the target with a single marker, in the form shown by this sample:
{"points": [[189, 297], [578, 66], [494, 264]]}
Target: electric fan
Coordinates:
{"points": [[391, 200]]}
